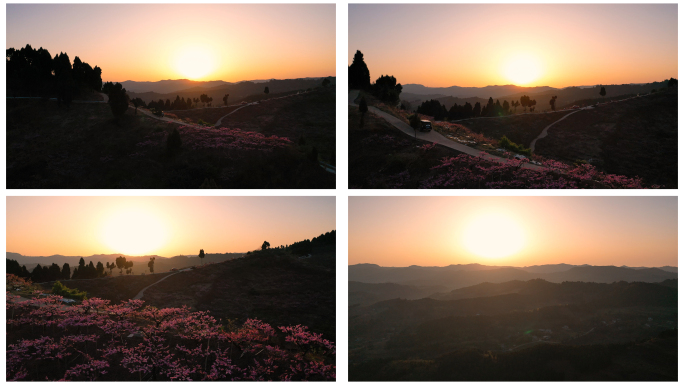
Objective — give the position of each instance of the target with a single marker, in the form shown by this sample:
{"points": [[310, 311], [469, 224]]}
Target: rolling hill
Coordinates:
{"points": [[236, 91]]}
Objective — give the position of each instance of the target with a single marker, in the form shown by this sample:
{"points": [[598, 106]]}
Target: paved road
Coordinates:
{"points": [[140, 294], [432, 136]]}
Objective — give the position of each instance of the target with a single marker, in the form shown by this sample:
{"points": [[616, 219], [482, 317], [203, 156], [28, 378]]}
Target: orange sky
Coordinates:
{"points": [[166, 226], [144, 42], [473, 45], [429, 231]]}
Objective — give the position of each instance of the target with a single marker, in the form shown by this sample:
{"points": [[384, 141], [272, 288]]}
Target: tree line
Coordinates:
{"points": [[82, 271], [491, 109], [35, 73], [385, 88]]}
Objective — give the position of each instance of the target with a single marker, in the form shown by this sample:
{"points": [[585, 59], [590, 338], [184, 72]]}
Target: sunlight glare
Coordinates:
{"points": [[522, 69], [134, 232], [493, 236], [194, 62]]}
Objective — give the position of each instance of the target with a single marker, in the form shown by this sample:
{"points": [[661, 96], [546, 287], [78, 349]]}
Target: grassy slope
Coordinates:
{"points": [[634, 138], [311, 115], [48, 147], [273, 286], [521, 129], [379, 153], [116, 288]]}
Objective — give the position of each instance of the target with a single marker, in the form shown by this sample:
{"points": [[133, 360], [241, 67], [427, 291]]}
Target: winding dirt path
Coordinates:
{"points": [[142, 291]]}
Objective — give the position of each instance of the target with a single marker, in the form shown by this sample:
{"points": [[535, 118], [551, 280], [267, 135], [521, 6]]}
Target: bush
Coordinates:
{"points": [[173, 142], [60, 289], [506, 143]]}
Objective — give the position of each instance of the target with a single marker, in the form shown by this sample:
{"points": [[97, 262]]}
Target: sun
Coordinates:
{"points": [[134, 232], [522, 69], [194, 62], [493, 236]]}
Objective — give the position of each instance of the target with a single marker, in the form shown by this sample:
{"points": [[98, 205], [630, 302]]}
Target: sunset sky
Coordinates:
{"points": [[151, 42], [166, 226], [475, 45], [513, 231]]}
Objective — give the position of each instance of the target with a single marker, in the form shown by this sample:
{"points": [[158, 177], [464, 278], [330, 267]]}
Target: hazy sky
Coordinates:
{"points": [[166, 226], [439, 231], [152, 42], [558, 45]]}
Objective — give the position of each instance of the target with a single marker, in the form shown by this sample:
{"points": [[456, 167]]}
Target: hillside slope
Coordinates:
{"points": [[637, 137], [273, 286]]}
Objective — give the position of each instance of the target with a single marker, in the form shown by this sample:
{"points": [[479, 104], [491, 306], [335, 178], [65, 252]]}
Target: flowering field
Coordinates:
{"points": [[96, 340]]}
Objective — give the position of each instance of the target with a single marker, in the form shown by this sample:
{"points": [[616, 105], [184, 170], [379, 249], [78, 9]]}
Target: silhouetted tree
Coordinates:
{"points": [[672, 82], [137, 102], [129, 267], [265, 245], [266, 91], [111, 267], [477, 109], [326, 82], [553, 102], [387, 89], [525, 102], [66, 272], [150, 264], [118, 101], [173, 142], [531, 104], [433, 108], [414, 122], [603, 92], [100, 269], [359, 75], [225, 99], [363, 108], [201, 256], [121, 263]]}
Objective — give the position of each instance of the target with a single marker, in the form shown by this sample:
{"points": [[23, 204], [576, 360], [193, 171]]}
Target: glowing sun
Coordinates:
{"points": [[493, 236], [195, 62], [522, 69], [134, 232]]}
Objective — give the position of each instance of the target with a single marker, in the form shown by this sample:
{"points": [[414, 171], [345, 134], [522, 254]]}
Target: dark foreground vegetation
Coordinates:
{"points": [[84, 147], [381, 156], [538, 331]]}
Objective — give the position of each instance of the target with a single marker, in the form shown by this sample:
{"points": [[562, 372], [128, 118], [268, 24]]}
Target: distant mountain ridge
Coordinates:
{"points": [[236, 91], [184, 85], [460, 95], [457, 276]]}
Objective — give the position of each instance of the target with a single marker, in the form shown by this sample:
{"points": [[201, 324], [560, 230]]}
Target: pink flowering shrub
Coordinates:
{"points": [[95, 340], [195, 137], [466, 171]]}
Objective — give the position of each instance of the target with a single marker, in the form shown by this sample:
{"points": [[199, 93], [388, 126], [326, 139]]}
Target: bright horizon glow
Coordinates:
{"points": [[134, 231], [162, 226], [195, 62], [513, 231], [471, 45], [203, 42], [522, 69], [478, 234]]}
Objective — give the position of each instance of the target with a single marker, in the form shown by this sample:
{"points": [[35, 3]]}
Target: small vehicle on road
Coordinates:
{"points": [[425, 126]]}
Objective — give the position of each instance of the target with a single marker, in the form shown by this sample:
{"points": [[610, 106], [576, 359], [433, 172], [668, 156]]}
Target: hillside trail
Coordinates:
{"points": [[218, 123], [544, 132], [142, 291], [433, 136]]}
